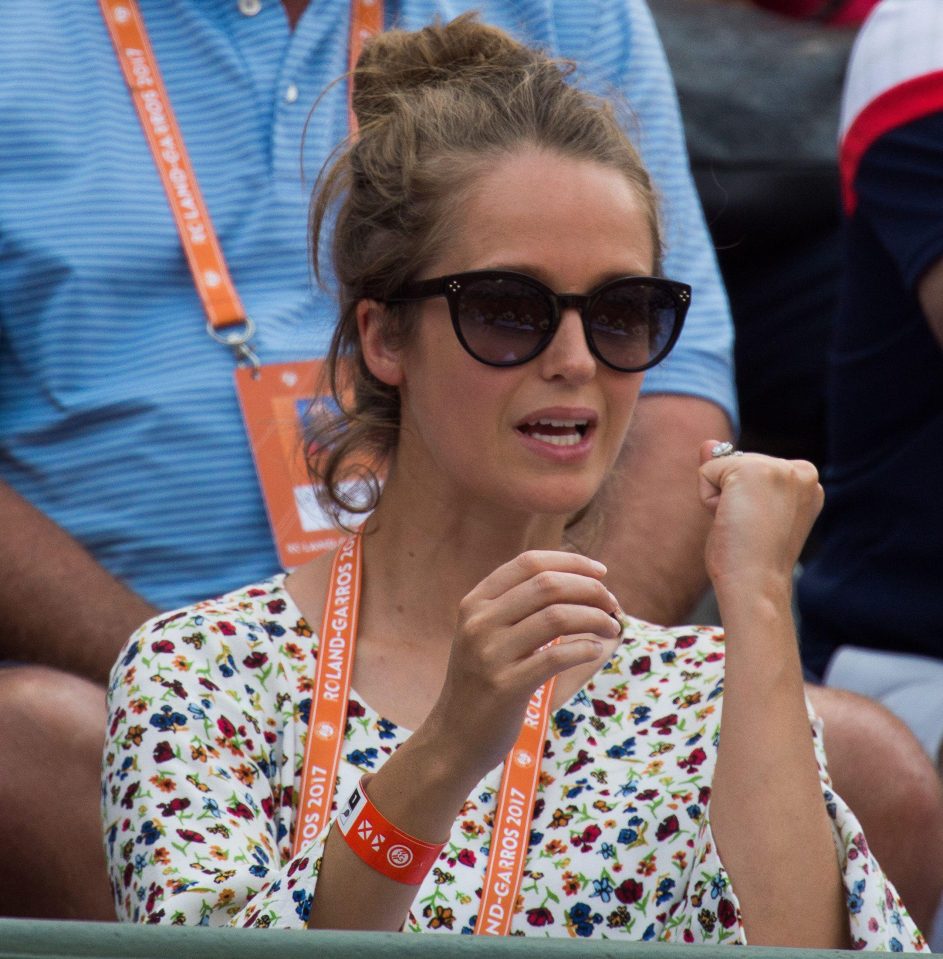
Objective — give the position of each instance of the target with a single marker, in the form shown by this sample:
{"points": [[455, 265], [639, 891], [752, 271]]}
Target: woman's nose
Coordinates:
{"points": [[568, 356]]}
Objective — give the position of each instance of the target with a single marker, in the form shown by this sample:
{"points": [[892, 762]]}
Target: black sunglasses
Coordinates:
{"points": [[504, 318]]}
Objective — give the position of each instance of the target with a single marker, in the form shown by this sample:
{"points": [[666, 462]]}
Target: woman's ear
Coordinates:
{"points": [[383, 361]]}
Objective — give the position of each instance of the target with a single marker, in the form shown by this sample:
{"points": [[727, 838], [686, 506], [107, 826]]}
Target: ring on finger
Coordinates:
{"points": [[724, 449]]}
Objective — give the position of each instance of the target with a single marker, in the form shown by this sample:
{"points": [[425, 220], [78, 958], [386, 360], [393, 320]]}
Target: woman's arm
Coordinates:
{"points": [[767, 810], [497, 661]]}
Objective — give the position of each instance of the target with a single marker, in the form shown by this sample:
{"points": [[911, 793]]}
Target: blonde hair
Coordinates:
{"points": [[436, 108]]}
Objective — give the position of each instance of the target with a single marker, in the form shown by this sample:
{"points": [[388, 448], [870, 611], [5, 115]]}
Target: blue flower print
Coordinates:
{"points": [[258, 870], [664, 890], [303, 900], [363, 757], [625, 748], [149, 833], [304, 711], [649, 933], [640, 714], [718, 885], [387, 729], [895, 945], [855, 902], [607, 850], [130, 654], [167, 720], [273, 629], [196, 711], [602, 888], [536, 838], [668, 656], [583, 919], [565, 722]]}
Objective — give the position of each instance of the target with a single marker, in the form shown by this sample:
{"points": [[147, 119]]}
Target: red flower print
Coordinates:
{"points": [[268, 807], [242, 810], [255, 660], [685, 642], [208, 684], [188, 835], [120, 713], [647, 795], [163, 752], [582, 758], [227, 629], [177, 804], [629, 891], [354, 708], [586, 839], [704, 795], [694, 760], [162, 646], [161, 623], [467, 858], [225, 727], [275, 606], [641, 666], [540, 917], [688, 935], [667, 827], [255, 591], [297, 864], [726, 913], [270, 737], [713, 657], [127, 799], [602, 708], [664, 723]]}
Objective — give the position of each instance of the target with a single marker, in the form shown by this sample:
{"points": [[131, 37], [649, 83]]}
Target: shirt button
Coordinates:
{"points": [[291, 93], [249, 8]]}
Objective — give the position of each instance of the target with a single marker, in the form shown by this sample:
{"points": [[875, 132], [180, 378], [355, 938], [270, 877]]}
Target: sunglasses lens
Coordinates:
{"points": [[503, 321], [632, 323]]}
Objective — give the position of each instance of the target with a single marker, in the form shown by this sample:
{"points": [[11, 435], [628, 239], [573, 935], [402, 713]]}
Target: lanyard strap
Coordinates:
{"points": [[327, 721], [221, 303], [332, 672]]}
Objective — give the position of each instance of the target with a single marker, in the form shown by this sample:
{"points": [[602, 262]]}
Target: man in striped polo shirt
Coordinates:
{"points": [[126, 484]]}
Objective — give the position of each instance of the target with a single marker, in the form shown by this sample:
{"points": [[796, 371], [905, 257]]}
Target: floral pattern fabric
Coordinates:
{"points": [[208, 715]]}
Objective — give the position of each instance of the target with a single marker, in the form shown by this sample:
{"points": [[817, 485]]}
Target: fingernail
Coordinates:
{"points": [[599, 567]]}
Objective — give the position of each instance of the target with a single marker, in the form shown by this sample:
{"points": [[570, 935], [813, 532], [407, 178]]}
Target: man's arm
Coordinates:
{"points": [[648, 525], [58, 606], [930, 294]]}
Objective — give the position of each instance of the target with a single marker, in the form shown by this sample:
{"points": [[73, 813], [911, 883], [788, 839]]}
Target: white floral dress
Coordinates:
{"points": [[208, 711]]}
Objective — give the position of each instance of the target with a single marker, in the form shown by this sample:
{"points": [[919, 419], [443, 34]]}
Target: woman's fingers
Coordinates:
{"points": [[763, 508], [548, 588], [531, 563]]}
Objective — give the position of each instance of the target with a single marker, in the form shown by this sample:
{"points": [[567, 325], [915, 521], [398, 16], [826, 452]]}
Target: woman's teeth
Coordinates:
{"points": [[557, 432]]}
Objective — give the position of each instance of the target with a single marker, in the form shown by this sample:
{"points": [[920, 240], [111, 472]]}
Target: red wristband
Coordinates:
{"points": [[382, 846]]}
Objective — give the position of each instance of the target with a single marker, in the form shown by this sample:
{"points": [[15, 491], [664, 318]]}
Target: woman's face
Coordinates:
{"points": [[540, 437]]}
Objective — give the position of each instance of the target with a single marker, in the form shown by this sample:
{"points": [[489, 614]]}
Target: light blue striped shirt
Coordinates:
{"points": [[118, 417]]}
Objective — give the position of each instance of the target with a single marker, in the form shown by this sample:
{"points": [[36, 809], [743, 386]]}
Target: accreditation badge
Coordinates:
{"points": [[276, 399]]}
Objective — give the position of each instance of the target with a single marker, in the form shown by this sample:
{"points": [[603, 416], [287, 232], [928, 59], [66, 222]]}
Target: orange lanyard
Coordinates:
{"points": [[211, 277], [327, 721]]}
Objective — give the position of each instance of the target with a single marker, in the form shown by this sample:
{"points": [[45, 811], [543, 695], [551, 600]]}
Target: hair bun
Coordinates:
{"points": [[398, 63]]}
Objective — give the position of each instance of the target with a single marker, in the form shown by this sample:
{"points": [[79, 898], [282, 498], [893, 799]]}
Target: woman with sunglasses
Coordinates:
{"points": [[497, 246]]}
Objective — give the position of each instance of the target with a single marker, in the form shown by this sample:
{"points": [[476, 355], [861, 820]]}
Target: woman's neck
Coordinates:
{"points": [[422, 556]]}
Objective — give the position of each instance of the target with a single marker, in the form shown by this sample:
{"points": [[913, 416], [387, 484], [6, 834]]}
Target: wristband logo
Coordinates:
{"points": [[399, 856], [324, 730]]}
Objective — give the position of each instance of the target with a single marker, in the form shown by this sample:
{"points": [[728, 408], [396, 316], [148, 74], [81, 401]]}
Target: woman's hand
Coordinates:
{"points": [[763, 510], [500, 652]]}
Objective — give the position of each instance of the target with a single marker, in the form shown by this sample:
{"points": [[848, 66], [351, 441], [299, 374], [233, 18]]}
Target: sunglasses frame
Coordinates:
{"points": [[451, 287]]}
